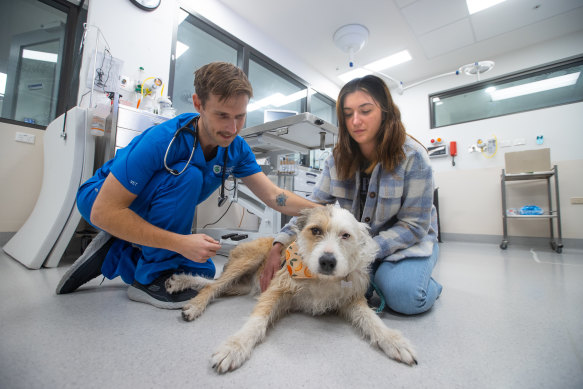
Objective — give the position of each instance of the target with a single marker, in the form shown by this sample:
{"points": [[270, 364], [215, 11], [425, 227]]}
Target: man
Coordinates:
{"points": [[144, 199]]}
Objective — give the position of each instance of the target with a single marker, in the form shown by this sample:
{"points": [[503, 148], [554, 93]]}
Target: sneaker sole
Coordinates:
{"points": [[77, 264], [140, 296]]}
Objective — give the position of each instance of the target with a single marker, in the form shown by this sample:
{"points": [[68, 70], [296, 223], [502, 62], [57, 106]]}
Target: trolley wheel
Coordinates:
{"points": [[558, 248], [504, 245]]}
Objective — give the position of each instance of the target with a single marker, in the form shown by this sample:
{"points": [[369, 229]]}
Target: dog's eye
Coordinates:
{"points": [[346, 235], [316, 231]]}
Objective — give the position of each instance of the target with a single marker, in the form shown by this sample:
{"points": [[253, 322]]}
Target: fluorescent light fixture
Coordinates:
{"points": [[180, 49], [534, 87], [390, 61], [40, 55], [377, 66], [480, 5], [2, 83]]}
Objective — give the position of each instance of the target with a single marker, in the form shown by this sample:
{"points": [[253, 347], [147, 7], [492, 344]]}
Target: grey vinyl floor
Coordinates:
{"points": [[505, 319]]}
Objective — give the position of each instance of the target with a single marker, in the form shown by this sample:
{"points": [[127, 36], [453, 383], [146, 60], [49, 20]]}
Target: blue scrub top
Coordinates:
{"points": [[135, 164]]}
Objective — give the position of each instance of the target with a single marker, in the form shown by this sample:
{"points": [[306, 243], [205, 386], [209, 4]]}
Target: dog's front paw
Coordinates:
{"points": [[230, 356], [192, 310], [397, 347], [176, 283]]}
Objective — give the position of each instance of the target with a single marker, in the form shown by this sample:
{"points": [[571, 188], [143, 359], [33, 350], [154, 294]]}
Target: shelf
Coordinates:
{"points": [[531, 216], [553, 215], [528, 176]]}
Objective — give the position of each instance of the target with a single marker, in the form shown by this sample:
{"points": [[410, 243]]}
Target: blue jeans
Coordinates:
{"points": [[407, 284], [167, 202]]}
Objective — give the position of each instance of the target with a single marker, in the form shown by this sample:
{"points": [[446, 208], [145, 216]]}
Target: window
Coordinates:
{"points": [[546, 86], [272, 90], [324, 108], [198, 42], [195, 46], [37, 47]]}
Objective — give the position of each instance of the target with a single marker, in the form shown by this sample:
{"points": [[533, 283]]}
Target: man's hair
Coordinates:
{"points": [[222, 79]]}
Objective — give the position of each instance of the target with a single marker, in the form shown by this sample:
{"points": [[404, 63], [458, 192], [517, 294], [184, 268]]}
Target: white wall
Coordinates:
{"points": [[469, 193], [138, 38], [21, 173]]}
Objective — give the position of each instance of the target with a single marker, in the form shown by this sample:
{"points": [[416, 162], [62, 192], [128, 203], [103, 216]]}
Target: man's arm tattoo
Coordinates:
{"points": [[281, 199]]}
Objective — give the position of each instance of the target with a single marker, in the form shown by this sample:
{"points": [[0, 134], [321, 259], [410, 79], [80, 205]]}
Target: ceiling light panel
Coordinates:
{"points": [[475, 6]]}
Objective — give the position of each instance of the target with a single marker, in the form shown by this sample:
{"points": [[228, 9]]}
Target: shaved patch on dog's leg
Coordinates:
{"points": [[390, 341]]}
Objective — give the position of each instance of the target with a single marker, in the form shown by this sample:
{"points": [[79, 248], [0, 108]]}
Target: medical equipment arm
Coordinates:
{"points": [[111, 213]]}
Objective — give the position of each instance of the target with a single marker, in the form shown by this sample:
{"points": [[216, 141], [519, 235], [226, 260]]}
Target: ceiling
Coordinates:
{"points": [[440, 35]]}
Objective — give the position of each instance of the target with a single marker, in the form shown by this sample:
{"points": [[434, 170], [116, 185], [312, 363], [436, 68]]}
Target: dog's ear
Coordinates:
{"points": [[302, 219], [300, 222], [364, 230]]}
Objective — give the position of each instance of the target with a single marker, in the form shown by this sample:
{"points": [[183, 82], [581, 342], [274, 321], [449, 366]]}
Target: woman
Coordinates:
{"points": [[384, 178]]}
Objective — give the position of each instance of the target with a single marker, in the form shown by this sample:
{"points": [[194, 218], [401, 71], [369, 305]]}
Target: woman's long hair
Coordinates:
{"points": [[390, 138]]}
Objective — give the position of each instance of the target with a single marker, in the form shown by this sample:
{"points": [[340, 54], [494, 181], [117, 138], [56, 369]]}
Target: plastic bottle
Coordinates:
{"points": [[165, 107], [138, 90], [148, 104]]}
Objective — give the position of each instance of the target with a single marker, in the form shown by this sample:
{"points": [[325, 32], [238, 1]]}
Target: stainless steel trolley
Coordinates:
{"points": [[556, 245]]}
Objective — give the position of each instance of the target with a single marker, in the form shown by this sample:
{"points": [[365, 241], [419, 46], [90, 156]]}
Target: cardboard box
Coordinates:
{"points": [[528, 161]]}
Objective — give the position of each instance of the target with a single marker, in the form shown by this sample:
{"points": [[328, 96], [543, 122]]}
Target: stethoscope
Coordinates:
{"points": [[194, 132]]}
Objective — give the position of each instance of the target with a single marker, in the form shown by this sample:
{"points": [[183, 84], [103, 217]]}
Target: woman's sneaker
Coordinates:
{"points": [[88, 265], [155, 293]]}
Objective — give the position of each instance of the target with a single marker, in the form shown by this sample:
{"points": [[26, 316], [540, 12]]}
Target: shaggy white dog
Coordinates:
{"points": [[337, 251]]}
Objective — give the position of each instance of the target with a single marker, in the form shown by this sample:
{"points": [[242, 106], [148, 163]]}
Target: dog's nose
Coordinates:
{"points": [[327, 263]]}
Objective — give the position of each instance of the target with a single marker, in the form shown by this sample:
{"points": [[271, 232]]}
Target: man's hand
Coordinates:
{"points": [[272, 265], [199, 247]]}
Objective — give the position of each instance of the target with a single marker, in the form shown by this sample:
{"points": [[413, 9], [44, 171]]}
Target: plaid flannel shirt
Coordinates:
{"points": [[399, 205]]}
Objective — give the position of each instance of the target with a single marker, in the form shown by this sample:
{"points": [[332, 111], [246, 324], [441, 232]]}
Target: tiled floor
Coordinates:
{"points": [[505, 319]]}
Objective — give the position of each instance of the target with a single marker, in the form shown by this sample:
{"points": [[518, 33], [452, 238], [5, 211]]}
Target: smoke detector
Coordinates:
{"points": [[351, 38]]}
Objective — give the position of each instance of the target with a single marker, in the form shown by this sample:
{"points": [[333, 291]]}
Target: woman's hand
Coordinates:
{"points": [[272, 265]]}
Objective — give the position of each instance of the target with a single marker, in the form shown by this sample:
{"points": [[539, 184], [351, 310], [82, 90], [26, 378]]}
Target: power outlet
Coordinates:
{"points": [[576, 200], [24, 138]]}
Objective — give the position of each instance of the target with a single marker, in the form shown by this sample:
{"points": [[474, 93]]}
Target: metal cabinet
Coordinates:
{"points": [[123, 125], [553, 214]]}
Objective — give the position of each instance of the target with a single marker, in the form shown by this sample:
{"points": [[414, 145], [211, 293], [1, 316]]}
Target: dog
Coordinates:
{"points": [[336, 251]]}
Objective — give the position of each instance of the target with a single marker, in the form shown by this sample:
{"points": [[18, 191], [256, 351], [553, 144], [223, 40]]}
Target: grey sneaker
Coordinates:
{"points": [[88, 265], [155, 293]]}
